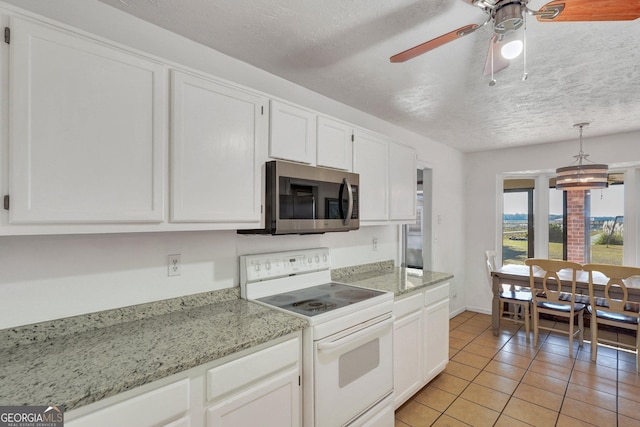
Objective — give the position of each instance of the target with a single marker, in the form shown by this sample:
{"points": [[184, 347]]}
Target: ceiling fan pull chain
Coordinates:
{"points": [[493, 81], [524, 42]]}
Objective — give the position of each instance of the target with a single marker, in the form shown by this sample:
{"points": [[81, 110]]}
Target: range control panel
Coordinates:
{"points": [[254, 268]]}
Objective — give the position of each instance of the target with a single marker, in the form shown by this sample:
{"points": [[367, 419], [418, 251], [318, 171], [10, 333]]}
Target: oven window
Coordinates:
{"points": [[358, 362]]}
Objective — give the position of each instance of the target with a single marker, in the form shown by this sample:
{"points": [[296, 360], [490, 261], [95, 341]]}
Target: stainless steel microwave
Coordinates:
{"points": [[303, 199]]}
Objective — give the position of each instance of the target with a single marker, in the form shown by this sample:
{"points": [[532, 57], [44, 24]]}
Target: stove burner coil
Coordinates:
{"points": [[313, 305]]}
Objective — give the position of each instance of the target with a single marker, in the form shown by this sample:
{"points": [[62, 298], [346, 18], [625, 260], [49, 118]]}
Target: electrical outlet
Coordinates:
{"points": [[375, 243], [174, 265]]}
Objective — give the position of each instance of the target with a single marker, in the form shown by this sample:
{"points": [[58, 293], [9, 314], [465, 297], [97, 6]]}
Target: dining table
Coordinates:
{"points": [[518, 275]]}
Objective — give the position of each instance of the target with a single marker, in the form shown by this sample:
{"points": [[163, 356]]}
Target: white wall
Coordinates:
{"points": [[48, 277], [484, 174]]}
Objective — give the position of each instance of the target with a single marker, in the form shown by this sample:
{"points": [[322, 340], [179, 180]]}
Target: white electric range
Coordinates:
{"points": [[347, 349]]}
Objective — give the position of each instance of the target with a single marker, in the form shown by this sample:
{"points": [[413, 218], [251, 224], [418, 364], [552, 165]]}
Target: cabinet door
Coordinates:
{"points": [[335, 148], [436, 332], [371, 162], [402, 183], [153, 408], [216, 135], [274, 402], [292, 133], [87, 135], [182, 422], [407, 356]]}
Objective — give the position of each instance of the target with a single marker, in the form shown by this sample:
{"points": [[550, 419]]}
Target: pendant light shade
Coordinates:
{"points": [[581, 176]]}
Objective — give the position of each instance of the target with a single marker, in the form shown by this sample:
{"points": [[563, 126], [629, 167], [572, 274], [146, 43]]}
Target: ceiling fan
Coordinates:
{"points": [[508, 16]]}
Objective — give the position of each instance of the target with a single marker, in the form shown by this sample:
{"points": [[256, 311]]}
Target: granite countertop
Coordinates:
{"points": [[80, 360], [385, 277]]}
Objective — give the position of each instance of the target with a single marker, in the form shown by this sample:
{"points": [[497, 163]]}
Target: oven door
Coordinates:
{"points": [[353, 371]]}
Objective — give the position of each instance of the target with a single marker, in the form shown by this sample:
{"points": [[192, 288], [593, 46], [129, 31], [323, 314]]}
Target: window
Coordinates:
{"points": [[517, 222], [606, 227], [595, 233], [557, 222]]}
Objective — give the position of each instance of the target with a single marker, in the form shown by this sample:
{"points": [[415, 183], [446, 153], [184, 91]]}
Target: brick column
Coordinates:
{"points": [[576, 226]]}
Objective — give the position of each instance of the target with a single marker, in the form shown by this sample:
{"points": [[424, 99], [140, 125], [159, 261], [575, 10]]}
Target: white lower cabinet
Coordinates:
{"points": [[260, 389], [166, 405], [180, 422], [436, 330], [257, 387], [270, 403], [420, 341], [407, 347]]}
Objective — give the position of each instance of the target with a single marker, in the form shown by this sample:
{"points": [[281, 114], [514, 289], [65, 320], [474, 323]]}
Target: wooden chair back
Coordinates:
{"points": [[490, 259], [550, 285], [615, 275]]}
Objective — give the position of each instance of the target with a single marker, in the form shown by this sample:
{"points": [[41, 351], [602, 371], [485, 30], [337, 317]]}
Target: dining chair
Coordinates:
{"points": [[549, 298], [614, 309], [518, 299]]}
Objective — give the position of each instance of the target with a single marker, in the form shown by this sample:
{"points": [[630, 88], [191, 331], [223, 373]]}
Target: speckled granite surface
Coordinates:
{"points": [[82, 359], [76, 324], [91, 363], [385, 277]]}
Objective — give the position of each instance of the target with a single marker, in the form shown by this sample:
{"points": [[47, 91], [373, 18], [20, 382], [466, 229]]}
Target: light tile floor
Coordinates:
{"points": [[505, 381]]}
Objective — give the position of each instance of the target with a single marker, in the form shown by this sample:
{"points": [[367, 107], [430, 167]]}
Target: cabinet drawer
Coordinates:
{"points": [[437, 293], [225, 379], [407, 305], [148, 409]]}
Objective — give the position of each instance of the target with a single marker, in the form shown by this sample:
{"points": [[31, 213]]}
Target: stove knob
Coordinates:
{"points": [[317, 259], [324, 257], [268, 265], [257, 267], [309, 260]]}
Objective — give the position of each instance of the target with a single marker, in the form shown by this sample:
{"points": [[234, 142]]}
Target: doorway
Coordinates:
{"points": [[417, 237]]}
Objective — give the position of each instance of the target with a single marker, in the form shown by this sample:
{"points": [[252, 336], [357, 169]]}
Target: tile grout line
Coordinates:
{"points": [[547, 335], [459, 396], [526, 370], [488, 328], [481, 330]]}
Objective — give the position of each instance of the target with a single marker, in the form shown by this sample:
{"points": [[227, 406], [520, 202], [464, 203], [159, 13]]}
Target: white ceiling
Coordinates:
{"points": [[578, 72]]}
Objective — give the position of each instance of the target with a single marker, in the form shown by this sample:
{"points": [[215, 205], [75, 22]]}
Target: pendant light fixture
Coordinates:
{"points": [[582, 176]]}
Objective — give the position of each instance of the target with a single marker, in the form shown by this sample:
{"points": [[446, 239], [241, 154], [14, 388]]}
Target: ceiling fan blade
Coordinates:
{"points": [[499, 63], [432, 44], [591, 10]]}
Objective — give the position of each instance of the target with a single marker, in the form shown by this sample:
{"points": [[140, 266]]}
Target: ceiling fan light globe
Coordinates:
{"points": [[512, 49]]}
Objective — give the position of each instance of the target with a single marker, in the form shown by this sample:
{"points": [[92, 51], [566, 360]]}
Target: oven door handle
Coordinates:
{"points": [[332, 345]]}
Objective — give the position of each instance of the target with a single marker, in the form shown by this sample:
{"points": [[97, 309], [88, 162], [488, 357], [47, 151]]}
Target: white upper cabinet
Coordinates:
{"points": [[335, 146], [402, 182], [217, 132], [292, 133], [370, 160], [87, 138]]}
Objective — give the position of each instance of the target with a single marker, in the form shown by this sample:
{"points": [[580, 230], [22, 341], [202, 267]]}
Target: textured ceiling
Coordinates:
{"points": [[577, 71]]}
